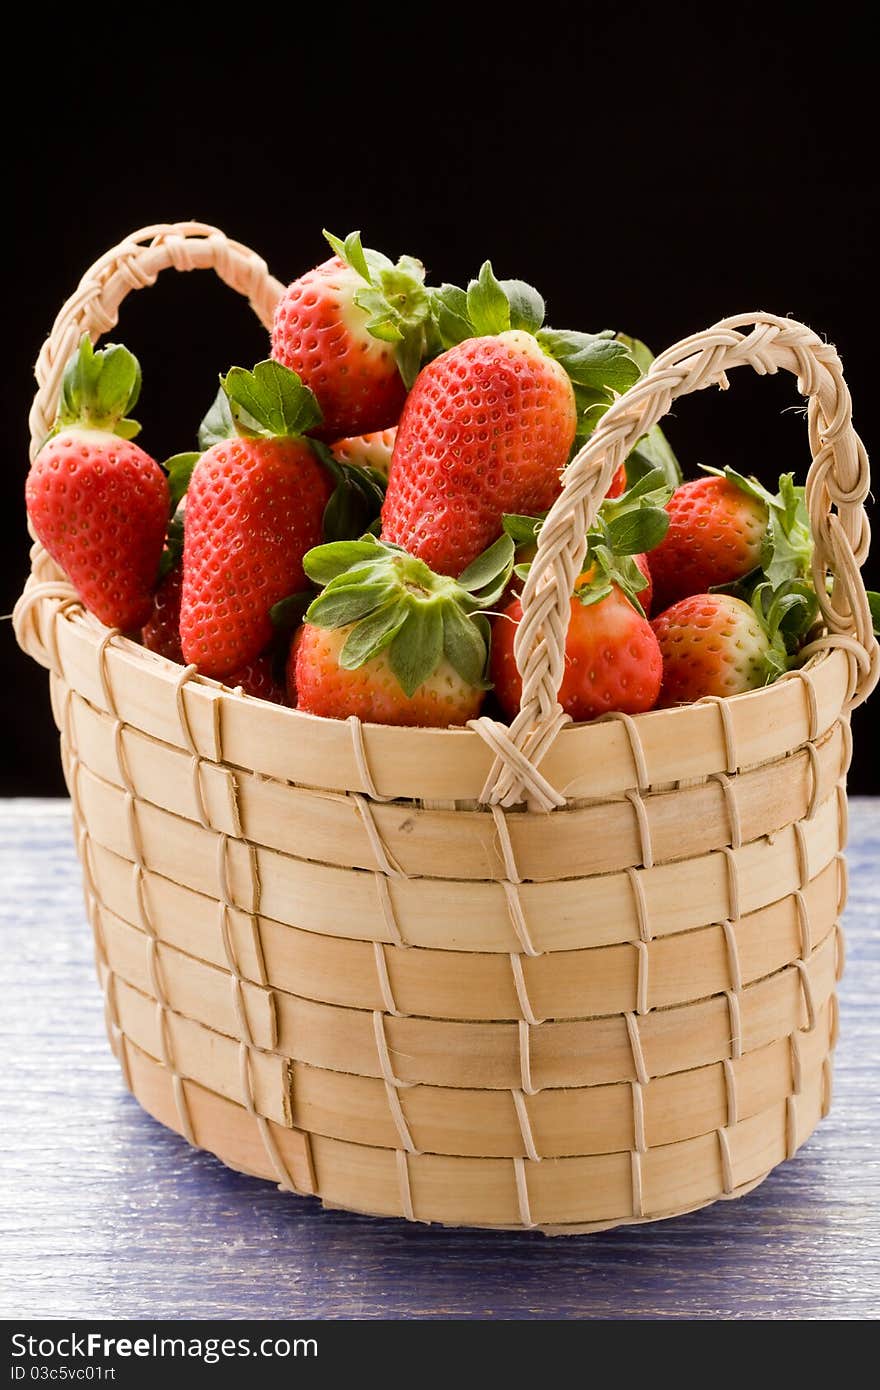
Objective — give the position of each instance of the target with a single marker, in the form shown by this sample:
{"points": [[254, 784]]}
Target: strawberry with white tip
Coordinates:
{"points": [[392, 642]]}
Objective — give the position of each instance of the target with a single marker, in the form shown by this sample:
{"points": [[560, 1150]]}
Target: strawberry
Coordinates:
{"points": [[487, 429], [354, 329], [646, 595], [257, 678], [392, 642], [716, 535], [489, 424], [618, 482], [254, 507], [612, 659], [367, 450], [161, 631], [716, 644], [98, 503]]}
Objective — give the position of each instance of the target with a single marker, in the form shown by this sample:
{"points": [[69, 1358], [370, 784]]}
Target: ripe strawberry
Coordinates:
{"points": [[354, 330], [612, 660], [257, 678], [367, 450], [98, 503], [161, 631], [487, 429], [716, 535], [254, 507], [392, 642]]}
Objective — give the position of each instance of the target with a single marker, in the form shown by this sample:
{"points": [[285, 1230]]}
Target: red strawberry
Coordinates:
{"points": [[392, 642], [612, 660], [367, 450], [258, 679], [646, 595], [98, 503], [254, 507], [487, 429], [716, 534], [618, 482], [354, 330], [161, 631], [290, 670]]}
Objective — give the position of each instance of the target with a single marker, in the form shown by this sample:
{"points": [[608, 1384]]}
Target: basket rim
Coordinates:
{"points": [[615, 753]]}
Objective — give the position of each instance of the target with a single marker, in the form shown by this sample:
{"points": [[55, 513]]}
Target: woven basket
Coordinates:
{"points": [[332, 956]]}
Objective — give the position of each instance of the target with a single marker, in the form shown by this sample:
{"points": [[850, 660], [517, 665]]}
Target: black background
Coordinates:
{"points": [[651, 169]]}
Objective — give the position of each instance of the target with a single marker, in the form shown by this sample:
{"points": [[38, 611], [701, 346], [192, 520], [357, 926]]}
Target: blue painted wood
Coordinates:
{"points": [[104, 1213]]}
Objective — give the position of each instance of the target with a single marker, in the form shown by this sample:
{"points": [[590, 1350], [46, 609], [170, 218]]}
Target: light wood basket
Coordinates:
{"points": [[546, 976]]}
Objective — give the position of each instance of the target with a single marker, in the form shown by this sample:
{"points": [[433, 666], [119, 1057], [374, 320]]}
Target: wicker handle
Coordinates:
{"points": [[837, 485], [94, 309], [133, 265]]}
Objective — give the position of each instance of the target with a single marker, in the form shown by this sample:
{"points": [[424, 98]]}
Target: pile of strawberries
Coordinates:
{"points": [[352, 534]]}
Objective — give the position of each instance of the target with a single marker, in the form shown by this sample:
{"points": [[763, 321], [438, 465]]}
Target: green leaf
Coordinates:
{"points": [[527, 308], [119, 382], [487, 306], [355, 502], [339, 607], [642, 355], [487, 576], [218, 424], [596, 360], [324, 563], [179, 469], [274, 397], [409, 355], [449, 308], [383, 321], [99, 388], [654, 451], [370, 636], [637, 531], [874, 605], [351, 252], [594, 591], [288, 613], [522, 530], [464, 645], [415, 651]]}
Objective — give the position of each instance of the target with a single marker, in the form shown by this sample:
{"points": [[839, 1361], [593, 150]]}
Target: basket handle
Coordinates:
{"points": [[134, 265], [94, 309], [837, 485]]}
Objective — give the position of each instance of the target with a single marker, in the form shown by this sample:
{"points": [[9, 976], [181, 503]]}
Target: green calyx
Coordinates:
{"points": [[625, 526], [99, 389], [599, 365], [269, 402], [786, 614], [393, 601], [787, 550], [356, 500], [395, 299]]}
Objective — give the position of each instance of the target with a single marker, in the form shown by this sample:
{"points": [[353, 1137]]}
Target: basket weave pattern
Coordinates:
{"points": [[365, 963]]}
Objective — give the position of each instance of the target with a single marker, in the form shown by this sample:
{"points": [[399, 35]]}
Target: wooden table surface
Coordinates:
{"points": [[104, 1213]]}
